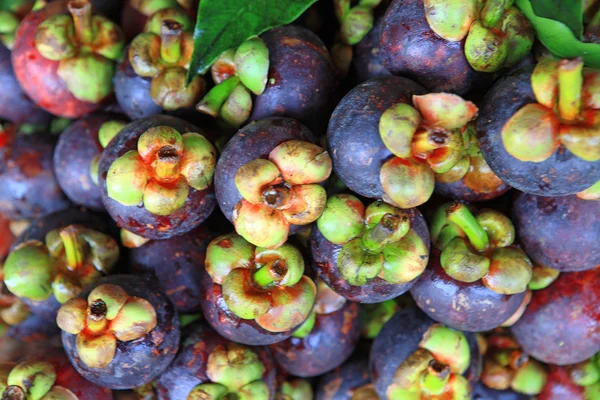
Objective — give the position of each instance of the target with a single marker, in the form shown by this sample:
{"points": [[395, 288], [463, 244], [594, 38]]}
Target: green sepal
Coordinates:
{"points": [[234, 366], [165, 200], [241, 297], [54, 38], [199, 159], [448, 346], [108, 39], [238, 106], [212, 102], [529, 379], [65, 288], [520, 36], [356, 24], [407, 183], [377, 210], [252, 64], [484, 49], [343, 218], [499, 228], [453, 153], [462, 263], [108, 130], [208, 391], [307, 326], [356, 265], [542, 277], [29, 271], [257, 390], [289, 255], [171, 13], [509, 272], [405, 259], [225, 253], [92, 88], [406, 380], [446, 110], [585, 373], [397, 127], [450, 19], [36, 378], [126, 179]]}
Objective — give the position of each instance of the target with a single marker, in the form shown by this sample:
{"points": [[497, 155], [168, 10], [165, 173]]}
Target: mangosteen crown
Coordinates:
{"points": [[162, 170], [587, 374], [233, 369], [82, 42], [237, 74], [70, 259], [107, 131], [566, 115], [480, 247], [377, 242], [9, 23], [31, 380], [506, 367], [435, 368], [431, 137], [280, 191], [109, 315], [496, 34], [267, 286]]}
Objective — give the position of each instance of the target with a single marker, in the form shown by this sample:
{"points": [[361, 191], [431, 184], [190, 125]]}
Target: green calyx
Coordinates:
{"points": [[480, 247], [297, 389], [432, 136], [357, 21], [162, 170], [374, 316], [586, 373], [8, 26], [71, 258], [109, 315], [80, 43], [31, 381], [107, 131], [238, 74], [565, 116], [235, 371], [542, 277], [281, 191], [497, 34], [435, 368], [377, 241]]}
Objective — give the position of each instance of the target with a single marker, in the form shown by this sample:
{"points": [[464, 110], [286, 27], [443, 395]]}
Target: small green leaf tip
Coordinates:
{"points": [[35, 379]]}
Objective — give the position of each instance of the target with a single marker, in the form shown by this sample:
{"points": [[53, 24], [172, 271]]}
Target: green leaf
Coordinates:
{"points": [[226, 24], [569, 12], [559, 39]]}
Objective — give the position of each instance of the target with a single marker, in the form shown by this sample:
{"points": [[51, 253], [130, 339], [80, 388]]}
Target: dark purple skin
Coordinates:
{"points": [[341, 383], [482, 392], [255, 140], [302, 82], [561, 325], [470, 307], [188, 370], [561, 174], [38, 229], [410, 48], [331, 341], [353, 137], [28, 187], [177, 264], [459, 191], [325, 255], [198, 205], [76, 148], [546, 227], [399, 338], [34, 329], [15, 106], [139, 361]]}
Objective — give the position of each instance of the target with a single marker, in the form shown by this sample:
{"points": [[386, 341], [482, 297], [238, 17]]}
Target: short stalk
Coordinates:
{"points": [[425, 141], [271, 273], [459, 214], [170, 46], [74, 247], [434, 379], [81, 11], [167, 164], [276, 197], [570, 82], [374, 239], [98, 310]]}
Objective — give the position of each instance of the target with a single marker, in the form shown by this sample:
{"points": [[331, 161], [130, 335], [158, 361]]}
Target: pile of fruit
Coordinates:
{"points": [[374, 199]]}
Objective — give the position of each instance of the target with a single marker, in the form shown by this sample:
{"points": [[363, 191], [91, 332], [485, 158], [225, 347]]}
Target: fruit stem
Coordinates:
{"points": [[427, 140], [170, 45], [276, 197], [167, 163], [81, 11], [271, 273], [492, 12], [570, 82], [436, 376], [374, 239], [13, 392], [98, 310], [459, 214], [74, 247]]}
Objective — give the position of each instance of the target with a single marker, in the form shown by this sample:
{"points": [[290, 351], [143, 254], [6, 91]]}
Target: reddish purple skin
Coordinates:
{"points": [[353, 137], [410, 48], [562, 323], [177, 264], [559, 386], [329, 344], [482, 392], [341, 383], [229, 325], [459, 191], [34, 329], [76, 148], [255, 140], [197, 207], [399, 338], [325, 256], [546, 227], [561, 174], [302, 82], [139, 361], [28, 186], [38, 229], [15, 106], [188, 370], [470, 307]]}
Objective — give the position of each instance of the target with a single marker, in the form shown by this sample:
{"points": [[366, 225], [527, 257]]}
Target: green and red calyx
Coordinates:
{"points": [[33, 380], [267, 286], [496, 34], [435, 370], [70, 259], [163, 52], [280, 191], [430, 139], [81, 43], [587, 375], [480, 246], [378, 241], [108, 316], [235, 371], [107, 131], [506, 367], [326, 302], [162, 171], [566, 115], [237, 73]]}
